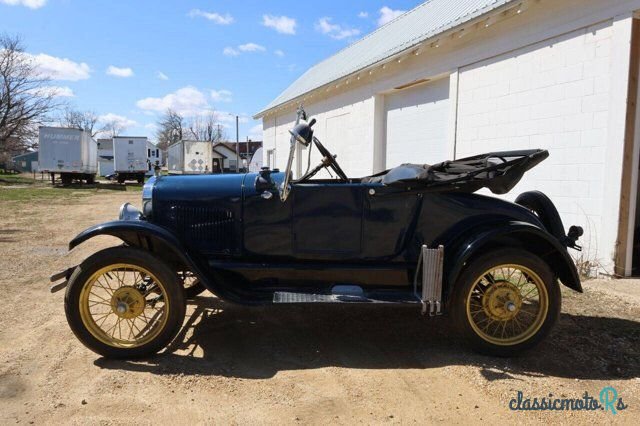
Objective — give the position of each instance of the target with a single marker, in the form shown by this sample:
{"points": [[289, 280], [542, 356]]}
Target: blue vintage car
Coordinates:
{"points": [[414, 236]]}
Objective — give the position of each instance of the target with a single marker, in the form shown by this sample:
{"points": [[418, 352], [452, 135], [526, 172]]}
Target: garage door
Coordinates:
{"points": [[417, 124]]}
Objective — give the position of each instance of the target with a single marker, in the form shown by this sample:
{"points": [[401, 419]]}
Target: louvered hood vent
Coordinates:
{"points": [[205, 227]]}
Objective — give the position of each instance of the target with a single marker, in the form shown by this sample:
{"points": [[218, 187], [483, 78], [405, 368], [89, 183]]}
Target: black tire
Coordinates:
{"points": [[66, 179], [475, 271], [131, 256], [141, 179], [91, 180]]}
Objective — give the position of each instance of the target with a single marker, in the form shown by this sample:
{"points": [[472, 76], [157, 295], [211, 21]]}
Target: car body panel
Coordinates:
{"points": [[244, 243]]}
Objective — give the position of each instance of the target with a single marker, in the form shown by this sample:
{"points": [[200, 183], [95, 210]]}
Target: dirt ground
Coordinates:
{"points": [[285, 365]]}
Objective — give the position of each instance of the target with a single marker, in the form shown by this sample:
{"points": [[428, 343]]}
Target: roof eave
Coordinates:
{"points": [[419, 44]]}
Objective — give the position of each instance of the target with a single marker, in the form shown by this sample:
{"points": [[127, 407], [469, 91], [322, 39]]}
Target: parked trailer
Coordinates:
{"points": [[190, 157], [130, 158], [70, 153]]}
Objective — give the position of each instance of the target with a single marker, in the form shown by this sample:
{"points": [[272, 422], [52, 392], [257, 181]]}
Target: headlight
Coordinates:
{"points": [[128, 212], [147, 197]]}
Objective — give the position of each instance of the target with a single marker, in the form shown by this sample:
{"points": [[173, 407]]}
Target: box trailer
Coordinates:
{"points": [[130, 158], [190, 157], [70, 153]]}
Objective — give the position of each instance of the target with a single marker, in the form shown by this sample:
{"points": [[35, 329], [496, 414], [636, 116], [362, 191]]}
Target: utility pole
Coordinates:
{"points": [[237, 144]]}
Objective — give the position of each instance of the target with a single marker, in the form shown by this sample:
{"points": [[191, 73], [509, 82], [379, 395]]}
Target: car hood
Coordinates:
{"points": [[198, 187]]}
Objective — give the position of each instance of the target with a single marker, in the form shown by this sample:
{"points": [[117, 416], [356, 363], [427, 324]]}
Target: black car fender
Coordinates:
{"points": [[162, 243], [510, 234]]}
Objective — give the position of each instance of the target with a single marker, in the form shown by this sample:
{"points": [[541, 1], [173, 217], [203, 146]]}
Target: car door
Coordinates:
{"points": [[327, 220]]}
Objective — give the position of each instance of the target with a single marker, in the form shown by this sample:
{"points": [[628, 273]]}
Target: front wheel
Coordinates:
{"points": [[123, 302], [505, 302]]}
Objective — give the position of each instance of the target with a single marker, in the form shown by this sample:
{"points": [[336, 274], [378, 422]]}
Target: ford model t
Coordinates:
{"points": [[414, 236]]}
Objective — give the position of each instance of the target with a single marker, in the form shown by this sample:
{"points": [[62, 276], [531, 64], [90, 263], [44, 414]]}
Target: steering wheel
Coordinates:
{"points": [[328, 160]]}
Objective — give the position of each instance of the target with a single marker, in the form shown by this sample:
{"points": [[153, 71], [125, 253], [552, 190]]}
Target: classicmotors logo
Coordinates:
{"points": [[607, 400]]}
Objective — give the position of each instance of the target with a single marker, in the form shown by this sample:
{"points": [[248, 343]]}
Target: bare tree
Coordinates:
{"points": [[83, 120], [25, 98], [206, 127], [112, 128], [170, 129]]}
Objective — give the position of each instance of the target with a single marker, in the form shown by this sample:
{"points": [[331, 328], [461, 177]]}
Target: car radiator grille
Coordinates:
{"points": [[206, 227]]}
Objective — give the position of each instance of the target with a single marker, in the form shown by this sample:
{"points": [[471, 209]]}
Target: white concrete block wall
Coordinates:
{"points": [[344, 127], [552, 95]]}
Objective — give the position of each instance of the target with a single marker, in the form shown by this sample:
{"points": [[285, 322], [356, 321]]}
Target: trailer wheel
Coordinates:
{"points": [[505, 302], [91, 180], [66, 179], [124, 302], [141, 179]]}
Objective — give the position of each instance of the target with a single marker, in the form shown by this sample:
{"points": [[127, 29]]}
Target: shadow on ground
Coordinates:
{"points": [[111, 186], [259, 342], [6, 235]]}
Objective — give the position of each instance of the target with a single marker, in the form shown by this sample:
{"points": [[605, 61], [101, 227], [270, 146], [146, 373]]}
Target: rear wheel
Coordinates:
{"points": [[124, 303], [506, 301]]}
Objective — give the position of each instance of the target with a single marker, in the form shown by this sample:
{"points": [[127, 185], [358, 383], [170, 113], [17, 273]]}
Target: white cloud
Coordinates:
{"points": [[221, 95], [150, 126], [387, 15], [31, 4], [188, 101], [162, 76], [122, 121], [214, 17], [363, 15], [60, 68], [251, 47], [335, 31], [119, 72], [279, 53], [248, 47], [56, 91], [229, 118], [230, 51], [282, 24], [61, 91], [255, 133]]}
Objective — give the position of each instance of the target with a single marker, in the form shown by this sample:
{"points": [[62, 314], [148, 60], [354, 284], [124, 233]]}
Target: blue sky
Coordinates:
{"points": [[131, 59]]}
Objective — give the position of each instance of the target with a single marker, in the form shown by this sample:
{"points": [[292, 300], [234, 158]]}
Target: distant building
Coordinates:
{"points": [[246, 150], [27, 162]]}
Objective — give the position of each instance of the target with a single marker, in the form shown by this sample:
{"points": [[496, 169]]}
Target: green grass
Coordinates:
{"points": [[45, 192], [13, 179]]}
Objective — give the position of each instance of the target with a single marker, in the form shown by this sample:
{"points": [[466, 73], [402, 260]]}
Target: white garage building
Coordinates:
{"points": [[451, 79]]}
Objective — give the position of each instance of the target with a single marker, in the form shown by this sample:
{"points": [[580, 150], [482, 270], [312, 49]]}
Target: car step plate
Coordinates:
{"points": [[286, 297]]}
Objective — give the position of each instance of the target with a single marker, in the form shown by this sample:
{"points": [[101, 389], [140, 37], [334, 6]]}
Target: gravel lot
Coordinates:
{"points": [[315, 365]]}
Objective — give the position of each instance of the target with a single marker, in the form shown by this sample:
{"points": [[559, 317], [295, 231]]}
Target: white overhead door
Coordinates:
{"points": [[417, 121]]}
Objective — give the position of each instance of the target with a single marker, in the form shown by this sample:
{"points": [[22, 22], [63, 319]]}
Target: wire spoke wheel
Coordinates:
{"points": [[507, 304], [124, 305]]}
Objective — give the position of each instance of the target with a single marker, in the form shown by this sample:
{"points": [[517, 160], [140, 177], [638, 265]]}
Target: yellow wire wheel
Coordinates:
{"points": [[124, 305], [507, 304]]}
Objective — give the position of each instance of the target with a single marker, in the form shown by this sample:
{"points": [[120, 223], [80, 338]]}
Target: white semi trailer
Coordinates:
{"points": [[130, 158], [190, 157], [70, 153]]}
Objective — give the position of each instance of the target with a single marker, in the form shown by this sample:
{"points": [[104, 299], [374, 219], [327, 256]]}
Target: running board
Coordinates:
{"points": [[283, 297]]}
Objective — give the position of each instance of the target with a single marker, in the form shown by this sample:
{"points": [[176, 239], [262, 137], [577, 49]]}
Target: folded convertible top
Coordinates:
{"points": [[497, 171]]}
